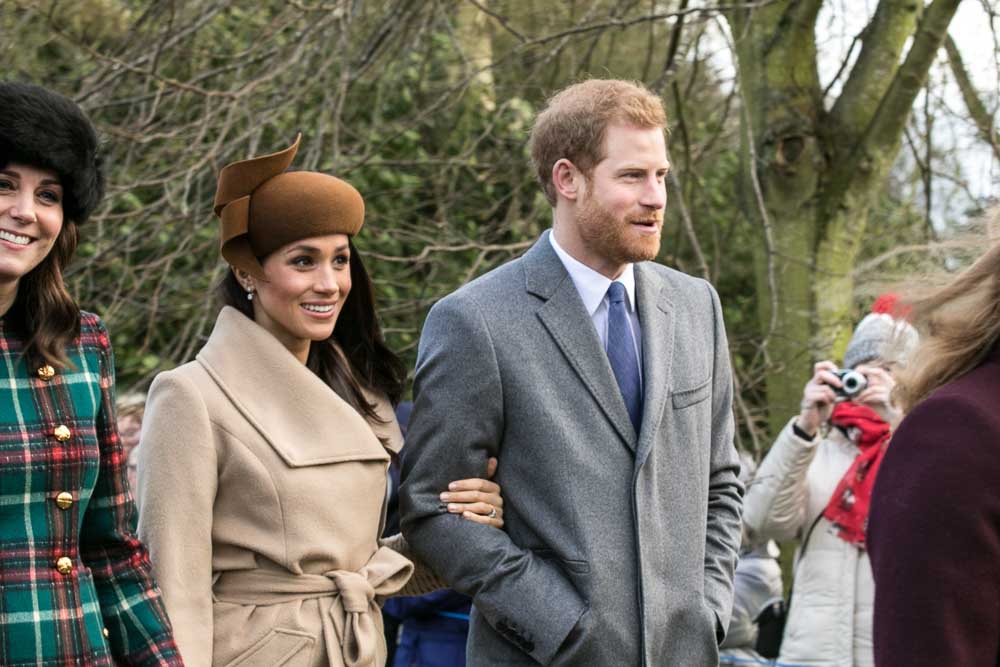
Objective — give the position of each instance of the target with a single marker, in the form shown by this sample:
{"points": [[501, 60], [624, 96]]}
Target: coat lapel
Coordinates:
{"points": [[302, 419], [567, 321], [657, 323]]}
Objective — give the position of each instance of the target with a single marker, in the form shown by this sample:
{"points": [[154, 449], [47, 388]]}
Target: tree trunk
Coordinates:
{"points": [[813, 174]]}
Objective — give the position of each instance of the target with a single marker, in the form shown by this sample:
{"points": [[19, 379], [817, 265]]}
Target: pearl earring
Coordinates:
{"points": [[250, 295]]}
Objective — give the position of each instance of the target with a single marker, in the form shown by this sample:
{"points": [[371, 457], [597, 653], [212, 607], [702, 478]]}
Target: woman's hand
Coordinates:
{"points": [[477, 499], [878, 394], [818, 397]]}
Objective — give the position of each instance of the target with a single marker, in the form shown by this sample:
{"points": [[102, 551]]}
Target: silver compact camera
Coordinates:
{"points": [[853, 383]]}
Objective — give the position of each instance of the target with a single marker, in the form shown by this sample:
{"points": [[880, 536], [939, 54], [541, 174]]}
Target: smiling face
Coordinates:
{"points": [[307, 284], [615, 216], [31, 217]]}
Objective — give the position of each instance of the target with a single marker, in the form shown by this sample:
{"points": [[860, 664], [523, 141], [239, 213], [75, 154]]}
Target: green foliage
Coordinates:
{"points": [[425, 107]]}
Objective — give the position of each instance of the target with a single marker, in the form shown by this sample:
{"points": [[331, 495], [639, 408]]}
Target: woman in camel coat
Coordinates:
{"points": [[262, 472]]}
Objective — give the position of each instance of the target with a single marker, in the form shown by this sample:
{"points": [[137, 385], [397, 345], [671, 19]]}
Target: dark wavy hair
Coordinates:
{"points": [[355, 357], [44, 314], [45, 130]]}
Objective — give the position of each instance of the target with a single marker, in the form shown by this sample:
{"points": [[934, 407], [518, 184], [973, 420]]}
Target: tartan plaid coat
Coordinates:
{"points": [[75, 582]]}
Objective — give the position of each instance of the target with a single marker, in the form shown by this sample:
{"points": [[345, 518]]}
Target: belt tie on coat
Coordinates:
{"points": [[350, 627]]}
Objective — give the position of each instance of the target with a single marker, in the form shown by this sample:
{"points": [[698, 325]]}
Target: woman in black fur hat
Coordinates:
{"points": [[75, 583]]}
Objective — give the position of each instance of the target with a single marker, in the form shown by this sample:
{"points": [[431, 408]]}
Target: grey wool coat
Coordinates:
{"points": [[618, 549]]}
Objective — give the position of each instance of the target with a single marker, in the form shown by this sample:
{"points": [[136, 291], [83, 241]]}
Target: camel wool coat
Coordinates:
{"points": [[261, 502]]}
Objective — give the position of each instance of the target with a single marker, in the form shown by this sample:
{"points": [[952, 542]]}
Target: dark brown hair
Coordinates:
{"points": [[355, 358], [44, 314]]}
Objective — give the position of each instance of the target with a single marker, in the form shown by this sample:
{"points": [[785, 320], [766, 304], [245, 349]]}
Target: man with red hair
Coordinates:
{"points": [[601, 380]]}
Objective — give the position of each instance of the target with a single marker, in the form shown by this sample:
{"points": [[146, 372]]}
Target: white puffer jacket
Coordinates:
{"points": [[830, 621]]}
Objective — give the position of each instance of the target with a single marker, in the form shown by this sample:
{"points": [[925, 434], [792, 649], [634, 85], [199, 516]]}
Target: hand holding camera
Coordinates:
{"points": [[852, 383], [867, 385], [818, 397], [878, 393]]}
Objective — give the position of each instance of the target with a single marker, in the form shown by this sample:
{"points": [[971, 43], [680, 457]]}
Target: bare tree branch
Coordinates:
{"points": [[882, 43], [977, 110]]}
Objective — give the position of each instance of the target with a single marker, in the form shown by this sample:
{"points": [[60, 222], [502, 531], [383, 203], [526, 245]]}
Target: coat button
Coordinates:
{"points": [[62, 433], [64, 500], [64, 565], [46, 372], [105, 633]]}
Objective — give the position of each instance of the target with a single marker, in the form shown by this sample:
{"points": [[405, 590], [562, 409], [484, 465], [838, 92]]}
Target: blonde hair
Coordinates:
{"points": [[131, 403], [959, 323], [575, 120]]}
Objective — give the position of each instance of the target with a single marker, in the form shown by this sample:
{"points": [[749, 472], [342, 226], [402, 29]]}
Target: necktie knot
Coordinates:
{"points": [[616, 293]]}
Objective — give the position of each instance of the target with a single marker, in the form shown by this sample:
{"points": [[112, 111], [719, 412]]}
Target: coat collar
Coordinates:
{"points": [[565, 317], [304, 420], [656, 319], [543, 272], [593, 285]]}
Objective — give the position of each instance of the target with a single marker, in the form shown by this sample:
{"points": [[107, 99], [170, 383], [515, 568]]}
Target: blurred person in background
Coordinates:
{"points": [[934, 532], [435, 628], [431, 629], [390, 621], [758, 602], [130, 409], [75, 583], [814, 485]]}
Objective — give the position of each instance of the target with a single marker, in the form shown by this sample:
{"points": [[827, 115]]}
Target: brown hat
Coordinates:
{"points": [[263, 207]]}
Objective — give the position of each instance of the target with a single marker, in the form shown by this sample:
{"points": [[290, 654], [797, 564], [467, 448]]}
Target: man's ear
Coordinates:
{"points": [[567, 180]]}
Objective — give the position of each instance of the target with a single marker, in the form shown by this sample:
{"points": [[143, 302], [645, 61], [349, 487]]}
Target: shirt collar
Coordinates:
{"points": [[591, 285]]}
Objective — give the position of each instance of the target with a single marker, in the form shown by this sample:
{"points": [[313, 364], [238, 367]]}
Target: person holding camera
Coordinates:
{"points": [[815, 484]]}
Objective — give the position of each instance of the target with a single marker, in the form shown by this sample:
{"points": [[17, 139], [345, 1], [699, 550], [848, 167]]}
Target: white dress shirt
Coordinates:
{"points": [[593, 290]]}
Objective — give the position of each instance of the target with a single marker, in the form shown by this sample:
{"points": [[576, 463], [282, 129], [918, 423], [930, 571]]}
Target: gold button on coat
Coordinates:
{"points": [[46, 372], [64, 500], [62, 433], [106, 633], [64, 565]]}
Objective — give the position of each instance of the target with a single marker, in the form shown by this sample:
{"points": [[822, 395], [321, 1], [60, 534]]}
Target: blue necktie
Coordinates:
{"points": [[621, 353]]}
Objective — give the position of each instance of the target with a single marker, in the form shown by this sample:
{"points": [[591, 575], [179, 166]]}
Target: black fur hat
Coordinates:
{"points": [[43, 129]]}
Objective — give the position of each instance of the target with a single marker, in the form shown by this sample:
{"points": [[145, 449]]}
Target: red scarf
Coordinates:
{"points": [[848, 506]]}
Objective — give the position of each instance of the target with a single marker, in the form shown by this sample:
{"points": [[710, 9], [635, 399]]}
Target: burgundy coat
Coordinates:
{"points": [[934, 529]]}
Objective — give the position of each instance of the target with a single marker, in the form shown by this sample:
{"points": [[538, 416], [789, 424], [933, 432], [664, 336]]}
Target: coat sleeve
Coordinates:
{"points": [[725, 492], [132, 610], [934, 539], [177, 478], [457, 423], [424, 580], [778, 498]]}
